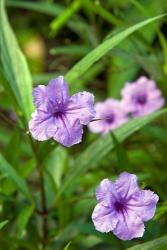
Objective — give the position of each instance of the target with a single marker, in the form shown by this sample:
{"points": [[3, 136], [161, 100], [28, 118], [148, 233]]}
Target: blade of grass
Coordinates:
{"points": [[82, 66], [60, 21]]}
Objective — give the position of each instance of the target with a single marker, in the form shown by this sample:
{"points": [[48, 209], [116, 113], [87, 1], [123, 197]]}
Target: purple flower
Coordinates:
{"points": [[141, 97], [111, 114], [123, 208], [58, 115]]}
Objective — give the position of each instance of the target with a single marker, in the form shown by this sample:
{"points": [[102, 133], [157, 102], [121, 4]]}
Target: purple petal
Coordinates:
{"points": [[40, 97], [141, 97], [112, 115], [40, 125], [144, 204], [81, 107], [104, 218], [69, 131], [58, 92], [126, 185], [106, 192], [129, 226]]}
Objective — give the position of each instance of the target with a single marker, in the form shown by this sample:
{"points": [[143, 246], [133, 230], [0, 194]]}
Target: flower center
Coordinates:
{"points": [[58, 114], [141, 99], [110, 118], [119, 207]]}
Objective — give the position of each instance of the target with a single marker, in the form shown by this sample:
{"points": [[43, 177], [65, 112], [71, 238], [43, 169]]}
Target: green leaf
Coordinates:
{"points": [[55, 164], [43, 7], [3, 223], [73, 50], [83, 65], [161, 211], [93, 155], [23, 218], [6, 168], [124, 66], [123, 161], [157, 244], [60, 21], [15, 139], [67, 246], [15, 67]]}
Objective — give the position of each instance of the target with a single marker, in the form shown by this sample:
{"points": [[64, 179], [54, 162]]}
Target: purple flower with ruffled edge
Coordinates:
{"points": [[122, 207], [141, 97], [111, 114], [58, 115]]}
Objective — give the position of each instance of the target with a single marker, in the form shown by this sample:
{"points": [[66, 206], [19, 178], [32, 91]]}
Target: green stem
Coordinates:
{"points": [[44, 212]]}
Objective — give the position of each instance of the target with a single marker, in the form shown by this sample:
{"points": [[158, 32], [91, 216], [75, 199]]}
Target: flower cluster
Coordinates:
{"points": [[139, 98], [122, 207]]}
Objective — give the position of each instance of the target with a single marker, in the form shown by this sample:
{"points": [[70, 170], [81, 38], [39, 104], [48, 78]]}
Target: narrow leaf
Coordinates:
{"points": [[64, 17], [123, 161], [15, 66], [6, 168], [83, 65], [42, 7], [157, 244], [3, 223], [67, 246], [23, 219]]}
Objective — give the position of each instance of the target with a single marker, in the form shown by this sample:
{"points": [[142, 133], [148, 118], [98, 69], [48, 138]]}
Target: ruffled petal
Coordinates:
{"points": [[112, 116], [81, 107], [58, 92], [40, 97], [69, 132], [106, 192], [144, 204], [132, 94], [126, 185], [104, 218], [129, 226], [41, 125]]}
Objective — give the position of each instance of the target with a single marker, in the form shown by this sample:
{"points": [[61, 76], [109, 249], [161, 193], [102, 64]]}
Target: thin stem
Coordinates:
{"points": [[43, 206], [44, 212]]}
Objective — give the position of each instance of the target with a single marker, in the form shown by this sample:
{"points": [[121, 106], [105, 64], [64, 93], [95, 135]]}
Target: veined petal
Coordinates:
{"points": [[112, 116], [129, 226], [106, 192], [40, 97], [80, 107], [69, 132], [126, 185], [144, 204], [40, 125], [58, 92], [104, 218]]}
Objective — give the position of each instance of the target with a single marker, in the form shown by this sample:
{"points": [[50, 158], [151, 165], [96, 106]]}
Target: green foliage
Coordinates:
{"points": [[67, 246], [23, 219], [6, 168], [15, 67], [157, 244], [80, 68], [95, 152], [3, 223], [47, 192]]}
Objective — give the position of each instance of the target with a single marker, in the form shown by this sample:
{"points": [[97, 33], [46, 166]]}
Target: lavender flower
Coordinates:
{"points": [[58, 115], [141, 97], [123, 208], [111, 114]]}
